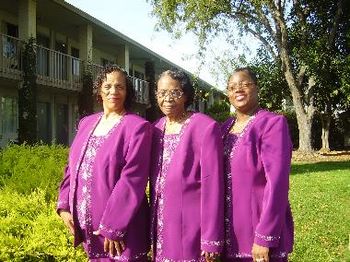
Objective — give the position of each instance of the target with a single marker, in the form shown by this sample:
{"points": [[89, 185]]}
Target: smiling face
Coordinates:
{"points": [[242, 92], [113, 92], [170, 97]]}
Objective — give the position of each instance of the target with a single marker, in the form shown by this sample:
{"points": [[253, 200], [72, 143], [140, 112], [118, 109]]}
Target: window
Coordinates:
{"points": [[75, 62], [10, 50], [9, 115], [105, 62], [61, 61], [139, 75], [42, 55]]}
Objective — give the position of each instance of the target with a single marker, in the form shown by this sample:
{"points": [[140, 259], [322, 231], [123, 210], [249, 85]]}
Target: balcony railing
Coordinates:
{"points": [[55, 68], [141, 87], [10, 58], [58, 69]]}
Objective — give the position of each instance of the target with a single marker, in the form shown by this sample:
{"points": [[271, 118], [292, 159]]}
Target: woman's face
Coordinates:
{"points": [[242, 92], [170, 97], [113, 92]]}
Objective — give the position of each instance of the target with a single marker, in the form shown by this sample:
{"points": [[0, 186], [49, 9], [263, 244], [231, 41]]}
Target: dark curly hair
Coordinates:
{"points": [[101, 77], [185, 83]]}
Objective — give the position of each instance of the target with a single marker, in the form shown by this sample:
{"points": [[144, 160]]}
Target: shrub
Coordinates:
{"points": [[26, 168], [220, 111], [30, 229]]}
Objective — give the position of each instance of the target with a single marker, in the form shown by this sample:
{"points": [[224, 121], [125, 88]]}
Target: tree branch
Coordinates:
{"points": [[339, 12], [301, 75], [263, 41]]}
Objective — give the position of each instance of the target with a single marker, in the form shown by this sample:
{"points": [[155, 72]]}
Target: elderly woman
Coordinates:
{"points": [[257, 146], [186, 177], [102, 197]]}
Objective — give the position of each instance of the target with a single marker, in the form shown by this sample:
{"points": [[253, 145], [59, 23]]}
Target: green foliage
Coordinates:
{"points": [[27, 95], [220, 111], [305, 40], [26, 168], [30, 229], [85, 98]]}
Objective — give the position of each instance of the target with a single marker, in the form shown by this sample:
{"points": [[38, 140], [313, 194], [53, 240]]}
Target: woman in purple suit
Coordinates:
{"points": [[102, 197], [259, 225], [187, 187]]}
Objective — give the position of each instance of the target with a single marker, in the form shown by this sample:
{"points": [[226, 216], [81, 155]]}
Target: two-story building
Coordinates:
{"points": [[66, 39]]}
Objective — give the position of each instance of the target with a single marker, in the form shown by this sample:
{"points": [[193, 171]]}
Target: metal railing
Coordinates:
{"points": [[55, 68], [59, 70], [10, 58], [141, 87]]}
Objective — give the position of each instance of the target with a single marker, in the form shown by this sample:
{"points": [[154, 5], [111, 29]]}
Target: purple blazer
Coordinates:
{"points": [[257, 188], [194, 190], [120, 172]]}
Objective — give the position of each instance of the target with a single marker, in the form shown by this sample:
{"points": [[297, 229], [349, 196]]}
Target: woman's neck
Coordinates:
{"points": [[178, 118], [107, 114], [243, 116]]}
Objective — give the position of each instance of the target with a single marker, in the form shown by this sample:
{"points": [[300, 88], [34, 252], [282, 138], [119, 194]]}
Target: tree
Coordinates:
{"points": [[328, 46], [276, 24], [27, 94], [85, 98]]}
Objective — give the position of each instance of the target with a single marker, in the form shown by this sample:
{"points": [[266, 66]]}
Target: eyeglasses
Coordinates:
{"points": [[232, 87], [175, 93]]}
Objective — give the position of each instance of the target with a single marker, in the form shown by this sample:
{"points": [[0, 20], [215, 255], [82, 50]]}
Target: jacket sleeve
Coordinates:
{"points": [[63, 196], [129, 191], [276, 150], [212, 190]]}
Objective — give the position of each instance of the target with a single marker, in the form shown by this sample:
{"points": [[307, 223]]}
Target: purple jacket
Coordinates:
{"points": [[193, 191], [259, 181], [120, 173]]}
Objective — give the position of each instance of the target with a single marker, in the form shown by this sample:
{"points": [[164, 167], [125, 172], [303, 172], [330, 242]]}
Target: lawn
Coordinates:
{"points": [[320, 199], [30, 230]]}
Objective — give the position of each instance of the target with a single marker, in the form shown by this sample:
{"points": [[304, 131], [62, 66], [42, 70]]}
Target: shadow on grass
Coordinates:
{"points": [[320, 167]]}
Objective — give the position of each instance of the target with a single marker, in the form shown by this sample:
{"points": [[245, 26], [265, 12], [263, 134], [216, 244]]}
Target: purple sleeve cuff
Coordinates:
{"points": [[62, 205], [111, 234], [212, 246], [266, 241]]}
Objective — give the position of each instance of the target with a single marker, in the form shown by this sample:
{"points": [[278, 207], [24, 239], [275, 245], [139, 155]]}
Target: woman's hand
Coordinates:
{"points": [[260, 253], [112, 246], [68, 220], [210, 256]]}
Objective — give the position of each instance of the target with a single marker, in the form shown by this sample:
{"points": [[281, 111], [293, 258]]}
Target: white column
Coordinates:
{"points": [[27, 19]]}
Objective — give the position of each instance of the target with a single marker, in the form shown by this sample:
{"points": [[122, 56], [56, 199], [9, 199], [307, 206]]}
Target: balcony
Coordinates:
{"points": [[10, 58], [141, 87], [54, 69], [58, 70]]}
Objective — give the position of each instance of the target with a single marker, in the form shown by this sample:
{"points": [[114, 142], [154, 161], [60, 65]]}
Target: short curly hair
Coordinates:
{"points": [[101, 77], [185, 83]]}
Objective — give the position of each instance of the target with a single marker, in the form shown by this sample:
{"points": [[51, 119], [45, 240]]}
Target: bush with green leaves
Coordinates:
{"points": [[30, 229], [220, 111]]}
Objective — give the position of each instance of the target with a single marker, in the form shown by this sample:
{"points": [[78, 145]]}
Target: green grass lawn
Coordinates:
{"points": [[320, 200]]}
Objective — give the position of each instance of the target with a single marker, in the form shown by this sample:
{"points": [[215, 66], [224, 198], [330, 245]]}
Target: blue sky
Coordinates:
{"points": [[133, 18]]}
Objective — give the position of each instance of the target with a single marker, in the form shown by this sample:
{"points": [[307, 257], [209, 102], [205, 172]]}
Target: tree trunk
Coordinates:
{"points": [[304, 117], [303, 102], [305, 132], [326, 122]]}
